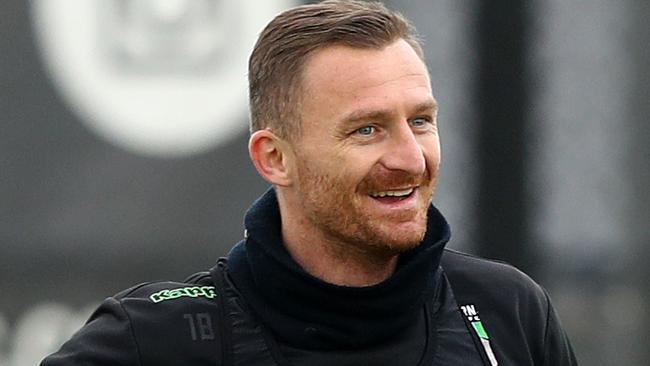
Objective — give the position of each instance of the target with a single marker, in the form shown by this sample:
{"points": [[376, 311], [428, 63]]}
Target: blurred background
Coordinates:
{"points": [[123, 131]]}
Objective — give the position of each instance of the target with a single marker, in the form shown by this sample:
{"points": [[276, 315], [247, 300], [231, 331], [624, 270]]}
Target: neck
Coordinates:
{"points": [[331, 260], [290, 301]]}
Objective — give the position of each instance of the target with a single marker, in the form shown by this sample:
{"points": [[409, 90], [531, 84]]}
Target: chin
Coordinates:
{"points": [[401, 239]]}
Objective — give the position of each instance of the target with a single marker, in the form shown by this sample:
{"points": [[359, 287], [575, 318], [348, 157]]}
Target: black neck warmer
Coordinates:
{"points": [[306, 312]]}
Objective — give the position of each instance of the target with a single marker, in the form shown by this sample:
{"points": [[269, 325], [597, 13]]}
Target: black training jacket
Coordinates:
{"points": [[458, 310], [204, 321]]}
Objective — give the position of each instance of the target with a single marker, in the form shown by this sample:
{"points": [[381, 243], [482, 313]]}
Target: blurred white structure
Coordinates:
{"points": [[40, 331], [162, 78]]}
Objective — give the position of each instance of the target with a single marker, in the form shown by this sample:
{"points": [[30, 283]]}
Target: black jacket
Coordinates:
{"points": [[258, 307]]}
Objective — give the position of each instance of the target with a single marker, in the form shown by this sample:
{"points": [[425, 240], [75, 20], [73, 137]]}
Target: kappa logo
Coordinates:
{"points": [[472, 316], [192, 291]]}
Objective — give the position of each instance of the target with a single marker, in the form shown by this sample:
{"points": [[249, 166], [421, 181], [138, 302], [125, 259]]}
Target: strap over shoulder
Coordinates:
{"points": [[225, 329]]}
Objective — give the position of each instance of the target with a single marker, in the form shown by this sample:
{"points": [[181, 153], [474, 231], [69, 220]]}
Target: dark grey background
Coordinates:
{"points": [[544, 110]]}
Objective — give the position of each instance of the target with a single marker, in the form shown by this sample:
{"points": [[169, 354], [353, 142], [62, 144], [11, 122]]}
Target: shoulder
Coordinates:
{"points": [[514, 309], [174, 321], [196, 287], [471, 271], [161, 323], [497, 284], [152, 302], [171, 309], [168, 314]]}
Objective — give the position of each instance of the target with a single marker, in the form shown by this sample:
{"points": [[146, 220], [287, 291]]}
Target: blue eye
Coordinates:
{"points": [[419, 122], [366, 130]]}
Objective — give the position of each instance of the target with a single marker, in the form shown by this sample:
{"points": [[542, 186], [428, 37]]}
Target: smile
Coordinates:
{"points": [[393, 193]]}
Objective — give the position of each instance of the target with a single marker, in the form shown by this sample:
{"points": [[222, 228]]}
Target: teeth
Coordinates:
{"points": [[404, 192]]}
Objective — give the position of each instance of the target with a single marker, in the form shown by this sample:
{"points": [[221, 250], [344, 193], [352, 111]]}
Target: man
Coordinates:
{"points": [[343, 262]]}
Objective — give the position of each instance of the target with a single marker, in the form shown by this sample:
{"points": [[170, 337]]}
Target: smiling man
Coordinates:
{"points": [[344, 259], [355, 184]]}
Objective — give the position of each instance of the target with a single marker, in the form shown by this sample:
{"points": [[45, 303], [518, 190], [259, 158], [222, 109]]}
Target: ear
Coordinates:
{"points": [[271, 156]]}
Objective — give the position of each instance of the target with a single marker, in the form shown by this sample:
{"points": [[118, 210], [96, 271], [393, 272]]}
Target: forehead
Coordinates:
{"points": [[340, 75]]}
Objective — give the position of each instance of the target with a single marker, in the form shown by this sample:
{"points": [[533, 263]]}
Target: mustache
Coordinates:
{"points": [[382, 179]]}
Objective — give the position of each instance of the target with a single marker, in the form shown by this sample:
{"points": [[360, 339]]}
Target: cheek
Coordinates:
{"points": [[431, 151], [359, 168], [436, 157]]}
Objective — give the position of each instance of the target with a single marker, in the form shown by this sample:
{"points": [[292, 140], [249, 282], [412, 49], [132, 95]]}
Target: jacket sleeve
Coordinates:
{"points": [[557, 348], [106, 339]]}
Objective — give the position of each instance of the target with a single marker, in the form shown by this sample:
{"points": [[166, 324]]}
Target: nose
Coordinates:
{"points": [[404, 152]]}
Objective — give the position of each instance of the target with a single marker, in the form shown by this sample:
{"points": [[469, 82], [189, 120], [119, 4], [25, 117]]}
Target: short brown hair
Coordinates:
{"points": [[283, 47]]}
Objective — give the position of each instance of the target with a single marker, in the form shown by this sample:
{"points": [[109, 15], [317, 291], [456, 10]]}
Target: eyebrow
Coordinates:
{"points": [[369, 114]]}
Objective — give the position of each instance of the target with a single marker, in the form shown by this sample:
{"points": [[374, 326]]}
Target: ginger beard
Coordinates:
{"points": [[342, 212]]}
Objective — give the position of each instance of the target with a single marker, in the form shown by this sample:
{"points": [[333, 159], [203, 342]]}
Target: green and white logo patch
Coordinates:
{"points": [[472, 316], [191, 291]]}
